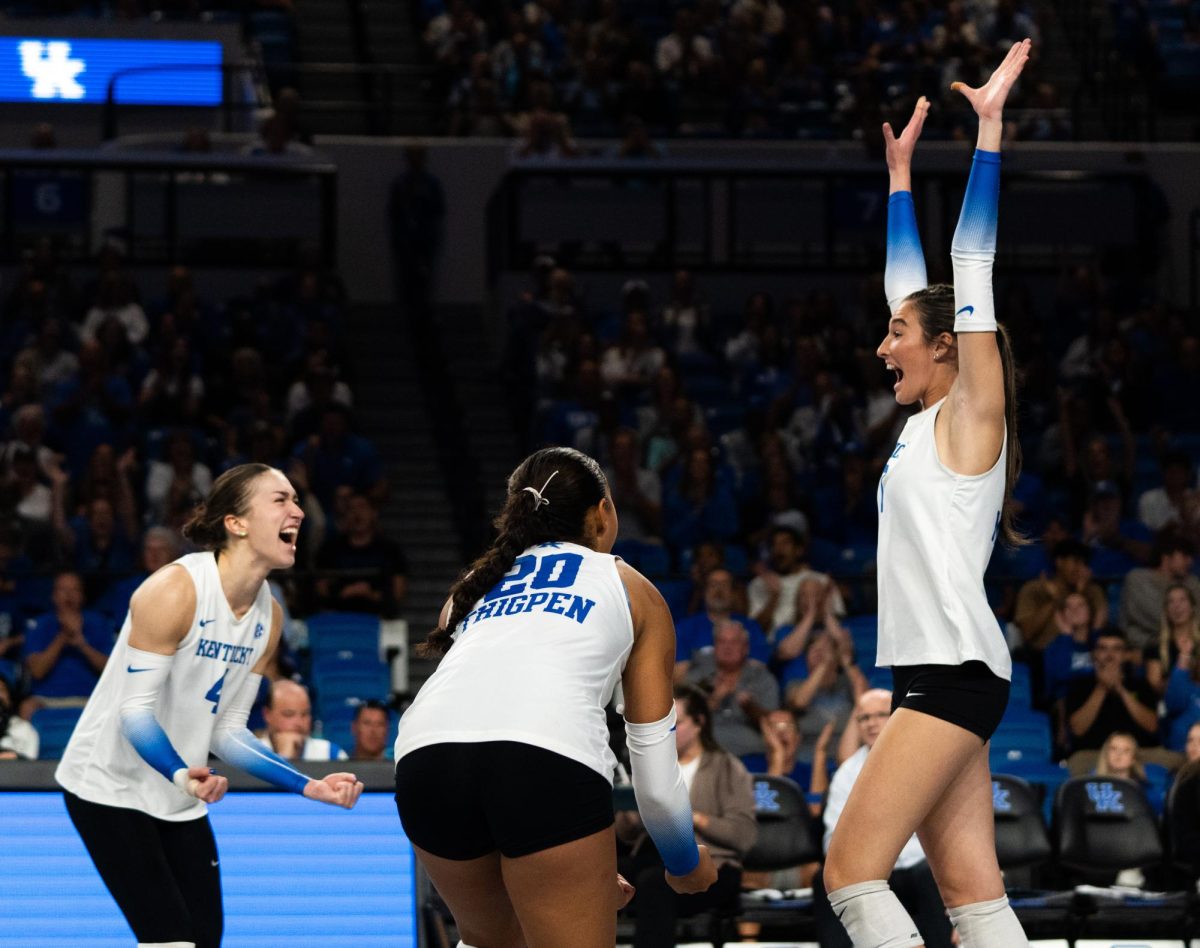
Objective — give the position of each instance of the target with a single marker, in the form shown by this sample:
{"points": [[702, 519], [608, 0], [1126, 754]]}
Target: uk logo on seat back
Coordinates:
{"points": [[1105, 798], [1000, 798], [766, 798]]}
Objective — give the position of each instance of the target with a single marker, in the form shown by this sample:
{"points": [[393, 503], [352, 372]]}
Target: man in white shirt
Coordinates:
{"points": [[773, 595], [911, 878], [289, 725]]}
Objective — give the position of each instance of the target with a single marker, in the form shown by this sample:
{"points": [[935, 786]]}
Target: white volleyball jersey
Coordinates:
{"points": [[534, 661], [936, 534], [208, 669]]}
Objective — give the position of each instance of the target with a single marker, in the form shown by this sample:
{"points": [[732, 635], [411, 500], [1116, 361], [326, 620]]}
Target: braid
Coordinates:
{"points": [[572, 484]]}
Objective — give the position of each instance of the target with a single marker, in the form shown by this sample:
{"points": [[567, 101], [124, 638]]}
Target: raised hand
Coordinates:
{"points": [[900, 150], [988, 100]]}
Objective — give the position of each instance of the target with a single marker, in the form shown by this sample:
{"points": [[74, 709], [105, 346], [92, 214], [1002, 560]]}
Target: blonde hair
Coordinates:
{"points": [[1136, 770], [1165, 635]]}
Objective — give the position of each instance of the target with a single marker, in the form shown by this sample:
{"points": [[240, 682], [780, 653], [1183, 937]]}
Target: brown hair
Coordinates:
{"points": [[1165, 635], [230, 496], [935, 308], [695, 706], [569, 483], [1137, 770]]}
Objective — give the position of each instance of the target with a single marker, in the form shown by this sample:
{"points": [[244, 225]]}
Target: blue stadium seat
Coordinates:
{"points": [[54, 727], [332, 631], [336, 686], [676, 592]]}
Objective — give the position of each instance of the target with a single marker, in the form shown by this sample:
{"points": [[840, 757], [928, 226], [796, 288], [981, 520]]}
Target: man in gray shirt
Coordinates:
{"points": [[1142, 593], [741, 689]]}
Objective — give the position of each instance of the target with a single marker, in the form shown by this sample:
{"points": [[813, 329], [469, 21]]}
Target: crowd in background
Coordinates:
{"points": [[550, 70]]}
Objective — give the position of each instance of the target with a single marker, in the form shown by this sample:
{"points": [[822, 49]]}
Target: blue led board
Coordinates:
{"points": [[61, 69], [293, 873]]}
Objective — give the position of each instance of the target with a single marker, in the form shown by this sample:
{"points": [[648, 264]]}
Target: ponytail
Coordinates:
{"points": [[549, 496]]}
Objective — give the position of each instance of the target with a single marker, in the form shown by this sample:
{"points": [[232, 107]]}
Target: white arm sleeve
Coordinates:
{"points": [[662, 797]]}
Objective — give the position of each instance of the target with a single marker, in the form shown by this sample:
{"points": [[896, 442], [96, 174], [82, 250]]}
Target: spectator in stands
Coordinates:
{"points": [[1107, 700], [683, 54], [29, 428], [700, 506], [416, 214], [637, 491], [177, 482], [911, 878], [288, 715], [830, 688], [1068, 656], [116, 302], [686, 322], [50, 355], [630, 365], [23, 495], [781, 734], [1175, 503], [1121, 757], [160, 546], [377, 568], [1185, 826], [319, 385], [695, 634], [739, 689], [1179, 636], [370, 726], [336, 455], [1182, 699], [1039, 598], [706, 557], [96, 543], [774, 594], [816, 616], [18, 738], [722, 796], [172, 392], [110, 477], [545, 136], [66, 650], [276, 139], [1124, 543], [1143, 593]]}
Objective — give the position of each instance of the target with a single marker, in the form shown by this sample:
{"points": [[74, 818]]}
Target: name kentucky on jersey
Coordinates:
{"points": [[513, 595], [226, 651]]}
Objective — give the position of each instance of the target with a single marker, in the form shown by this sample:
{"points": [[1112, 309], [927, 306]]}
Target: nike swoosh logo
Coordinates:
{"points": [[134, 671], [204, 622], [915, 694], [966, 309]]}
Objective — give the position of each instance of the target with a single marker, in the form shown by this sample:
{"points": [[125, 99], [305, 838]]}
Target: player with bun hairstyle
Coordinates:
{"points": [[943, 502], [180, 682], [504, 773]]}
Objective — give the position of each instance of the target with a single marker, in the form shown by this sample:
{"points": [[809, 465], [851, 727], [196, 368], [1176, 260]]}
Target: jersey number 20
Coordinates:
{"points": [[556, 571]]}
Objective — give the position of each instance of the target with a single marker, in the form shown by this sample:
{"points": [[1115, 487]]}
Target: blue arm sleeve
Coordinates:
{"points": [[976, 231], [905, 270], [242, 749], [662, 797], [142, 730]]}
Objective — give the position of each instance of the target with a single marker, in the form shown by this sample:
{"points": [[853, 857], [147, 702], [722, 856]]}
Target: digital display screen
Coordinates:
{"points": [[147, 72], [293, 872]]}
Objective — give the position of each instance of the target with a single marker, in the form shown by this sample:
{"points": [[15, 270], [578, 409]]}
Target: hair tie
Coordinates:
{"points": [[539, 500]]}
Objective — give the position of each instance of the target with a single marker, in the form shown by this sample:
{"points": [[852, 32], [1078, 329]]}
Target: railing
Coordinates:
{"points": [[764, 217], [377, 94], [218, 210]]}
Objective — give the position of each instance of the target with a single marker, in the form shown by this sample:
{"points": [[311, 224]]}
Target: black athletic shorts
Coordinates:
{"points": [[969, 695], [465, 800], [163, 874]]}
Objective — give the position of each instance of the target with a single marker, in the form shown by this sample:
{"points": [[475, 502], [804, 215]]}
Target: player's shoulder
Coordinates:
{"points": [[169, 591]]}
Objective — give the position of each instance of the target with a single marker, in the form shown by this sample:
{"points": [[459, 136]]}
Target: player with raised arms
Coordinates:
{"points": [[504, 773], [943, 500], [180, 682]]}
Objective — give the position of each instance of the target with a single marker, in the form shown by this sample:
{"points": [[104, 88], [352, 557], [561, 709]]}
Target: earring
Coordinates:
{"points": [[242, 534]]}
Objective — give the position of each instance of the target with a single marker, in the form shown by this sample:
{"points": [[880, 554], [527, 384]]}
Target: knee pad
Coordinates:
{"points": [[991, 924], [873, 917], [463, 944]]}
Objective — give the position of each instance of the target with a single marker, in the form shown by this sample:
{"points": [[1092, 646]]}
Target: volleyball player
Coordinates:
{"points": [[504, 773], [181, 680], [943, 501]]}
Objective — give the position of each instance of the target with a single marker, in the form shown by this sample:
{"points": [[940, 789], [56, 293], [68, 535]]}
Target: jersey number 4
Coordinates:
{"points": [[214, 693]]}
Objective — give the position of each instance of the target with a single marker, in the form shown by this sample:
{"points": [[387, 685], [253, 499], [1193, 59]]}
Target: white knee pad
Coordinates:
{"points": [[463, 944], [873, 917], [991, 924]]}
